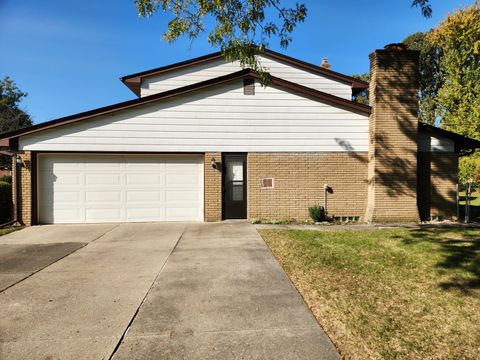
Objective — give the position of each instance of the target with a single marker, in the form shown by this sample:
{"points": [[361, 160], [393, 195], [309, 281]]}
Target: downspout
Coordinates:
{"points": [[326, 189], [14, 187]]}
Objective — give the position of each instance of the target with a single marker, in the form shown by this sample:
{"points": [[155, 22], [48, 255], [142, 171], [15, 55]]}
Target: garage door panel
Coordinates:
{"points": [[102, 179], [65, 179], [145, 214], [180, 213], [141, 179], [98, 197], [66, 215], [117, 188], [144, 196], [144, 164], [179, 180], [102, 215], [103, 164], [64, 196], [62, 165], [172, 196]]}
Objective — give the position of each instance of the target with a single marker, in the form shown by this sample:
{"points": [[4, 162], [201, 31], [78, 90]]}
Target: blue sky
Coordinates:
{"points": [[68, 55]]}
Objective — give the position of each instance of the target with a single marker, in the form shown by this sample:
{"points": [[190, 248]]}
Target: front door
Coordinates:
{"points": [[234, 186]]}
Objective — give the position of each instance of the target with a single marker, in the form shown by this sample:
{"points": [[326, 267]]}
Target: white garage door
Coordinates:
{"points": [[119, 188]]}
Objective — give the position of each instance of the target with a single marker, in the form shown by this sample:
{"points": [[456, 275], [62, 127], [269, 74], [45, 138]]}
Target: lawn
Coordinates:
{"points": [[389, 294], [474, 198]]}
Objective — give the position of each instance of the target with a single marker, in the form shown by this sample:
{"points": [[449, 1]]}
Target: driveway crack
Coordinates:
{"points": [[145, 297]]}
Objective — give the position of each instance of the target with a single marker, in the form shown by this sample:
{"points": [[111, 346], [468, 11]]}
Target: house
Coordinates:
{"points": [[204, 141], [5, 172]]}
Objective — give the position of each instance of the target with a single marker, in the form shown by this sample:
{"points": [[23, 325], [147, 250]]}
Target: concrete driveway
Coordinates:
{"points": [[150, 291]]}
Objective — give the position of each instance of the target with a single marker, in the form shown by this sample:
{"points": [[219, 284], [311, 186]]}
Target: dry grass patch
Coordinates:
{"points": [[389, 294], [10, 229]]}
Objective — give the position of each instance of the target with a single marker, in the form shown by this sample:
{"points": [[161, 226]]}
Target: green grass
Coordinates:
{"points": [[474, 199], [389, 294], [9, 229]]}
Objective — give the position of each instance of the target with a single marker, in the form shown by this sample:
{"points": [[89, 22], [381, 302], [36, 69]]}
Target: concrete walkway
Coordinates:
{"points": [[363, 226], [156, 291]]}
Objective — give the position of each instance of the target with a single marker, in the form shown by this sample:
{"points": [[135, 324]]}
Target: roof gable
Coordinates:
{"points": [[133, 81]]}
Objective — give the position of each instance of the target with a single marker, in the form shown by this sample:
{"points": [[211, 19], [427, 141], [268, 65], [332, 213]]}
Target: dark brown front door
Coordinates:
{"points": [[234, 186]]}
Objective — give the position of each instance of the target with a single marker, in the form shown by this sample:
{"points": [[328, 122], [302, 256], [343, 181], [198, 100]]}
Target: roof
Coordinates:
{"points": [[134, 81], [10, 139], [461, 142]]}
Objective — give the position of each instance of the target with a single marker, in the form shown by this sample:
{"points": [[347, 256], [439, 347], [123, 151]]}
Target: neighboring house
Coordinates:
{"points": [[5, 172], [205, 141]]}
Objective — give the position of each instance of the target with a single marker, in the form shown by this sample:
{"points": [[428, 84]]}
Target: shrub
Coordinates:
{"points": [[6, 178], [317, 213], [6, 205]]}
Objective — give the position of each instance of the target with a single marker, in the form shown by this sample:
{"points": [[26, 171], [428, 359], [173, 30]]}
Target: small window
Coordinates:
{"points": [[268, 183], [249, 87]]}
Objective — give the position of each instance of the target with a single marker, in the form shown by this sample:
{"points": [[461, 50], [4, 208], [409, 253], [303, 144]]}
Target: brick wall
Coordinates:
{"points": [[299, 180], [437, 178], [392, 180], [25, 191], [213, 188]]}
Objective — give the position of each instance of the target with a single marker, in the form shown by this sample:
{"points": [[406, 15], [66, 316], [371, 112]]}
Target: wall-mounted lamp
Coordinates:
{"points": [[214, 164], [20, 161]]}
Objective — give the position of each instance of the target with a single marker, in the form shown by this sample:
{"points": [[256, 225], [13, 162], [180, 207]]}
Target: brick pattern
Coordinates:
{"points": [[25, 195], [437, 179], [299, 180], [213, 188], [392, 180]]}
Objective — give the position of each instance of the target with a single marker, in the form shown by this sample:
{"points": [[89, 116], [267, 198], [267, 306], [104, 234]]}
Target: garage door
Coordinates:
{"points": [[119, 188]]}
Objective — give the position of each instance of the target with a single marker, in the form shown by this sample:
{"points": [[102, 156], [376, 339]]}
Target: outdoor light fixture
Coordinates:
{"points": [[19, 161], [214, 164]]}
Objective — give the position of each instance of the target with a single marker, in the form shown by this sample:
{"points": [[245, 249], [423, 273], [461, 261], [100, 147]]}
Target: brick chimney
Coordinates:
{"points": [[392, 166], [325, 64]]}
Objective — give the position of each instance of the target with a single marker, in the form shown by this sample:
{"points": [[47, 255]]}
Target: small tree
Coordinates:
{"points": [[12, 117]]}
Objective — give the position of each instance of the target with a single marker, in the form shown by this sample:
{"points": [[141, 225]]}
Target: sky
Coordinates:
{"points": [[69, 55]]}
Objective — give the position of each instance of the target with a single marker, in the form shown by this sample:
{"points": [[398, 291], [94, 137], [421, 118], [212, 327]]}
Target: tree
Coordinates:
{"points": [[431, 75], [12, 117], [363, 96], [237, 23], [458, 98]]}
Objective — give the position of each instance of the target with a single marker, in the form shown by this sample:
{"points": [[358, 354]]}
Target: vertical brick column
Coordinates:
{"points": [[25, 189], [392, 168], [213, 188]]}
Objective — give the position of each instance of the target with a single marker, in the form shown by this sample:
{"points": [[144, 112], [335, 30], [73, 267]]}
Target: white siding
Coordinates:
{"points": [[219, 119], [216, 68], [428, 143]]}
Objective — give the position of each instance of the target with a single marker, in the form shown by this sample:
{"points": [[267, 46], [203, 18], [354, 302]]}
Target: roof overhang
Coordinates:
{"points": [[134, 81], [11, 139], [462, 143]]}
